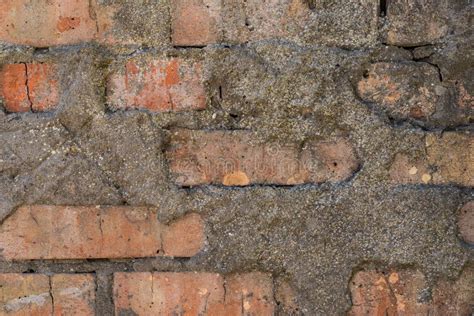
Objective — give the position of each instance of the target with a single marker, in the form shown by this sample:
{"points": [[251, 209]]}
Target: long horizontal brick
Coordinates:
{"points": [[29, 87], [58, 232], [158, 85], [188, 293], [447, 159], [236, 159], [38, 294], [407, 292]]}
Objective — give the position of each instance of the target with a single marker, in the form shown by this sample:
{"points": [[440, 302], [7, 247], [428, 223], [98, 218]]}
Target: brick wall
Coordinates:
{"points": [[236, 157]]}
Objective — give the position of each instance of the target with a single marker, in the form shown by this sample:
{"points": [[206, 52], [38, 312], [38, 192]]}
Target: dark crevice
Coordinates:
{"points": [[51, 293], [27, 87], [311, 4], [383, 8]]}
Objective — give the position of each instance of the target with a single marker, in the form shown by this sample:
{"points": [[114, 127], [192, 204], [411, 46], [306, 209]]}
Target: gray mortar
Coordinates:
{"points": [[314, 236]]}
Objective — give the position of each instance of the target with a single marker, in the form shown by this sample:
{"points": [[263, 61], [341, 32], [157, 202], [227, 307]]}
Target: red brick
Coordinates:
{"points": [[189, 293], [466, 222], [37, 294], [446, 159], [42, 87], [13, 88], [158, 85], [236, 159], [195, 22], [177, 244], [73, 294], [249, 294], [57, 232], [25, 294], [26, 87], [395, 293]]}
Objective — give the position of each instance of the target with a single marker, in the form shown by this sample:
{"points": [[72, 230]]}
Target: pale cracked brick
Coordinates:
{"points": [[158, 85], [42, 23], [235, 158], [61, 232], [41, 295], [447, 159]]}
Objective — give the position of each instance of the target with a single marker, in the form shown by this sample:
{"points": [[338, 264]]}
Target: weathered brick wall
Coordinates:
{"points": [[236, 157]]}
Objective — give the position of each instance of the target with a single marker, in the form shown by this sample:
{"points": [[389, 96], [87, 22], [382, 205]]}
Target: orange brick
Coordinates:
{"points": [[179, 244], [39, 295], [27, 87], [74, 294], [42, 87], [394, 293], [249, 294], [159, 85], [188, 293], [449, 159], [25, 294], [57, 232], [14, 91], [466, 222], [195, 22], [236, 159]]}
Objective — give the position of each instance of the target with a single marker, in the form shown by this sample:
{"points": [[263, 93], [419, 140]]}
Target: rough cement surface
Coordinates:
{"points": [[313, 236]]}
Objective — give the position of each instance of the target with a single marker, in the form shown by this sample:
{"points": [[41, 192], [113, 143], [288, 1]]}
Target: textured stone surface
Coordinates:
{"points": [[285, 83], [427, 20], [203, 22]]}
